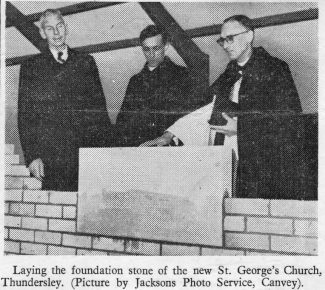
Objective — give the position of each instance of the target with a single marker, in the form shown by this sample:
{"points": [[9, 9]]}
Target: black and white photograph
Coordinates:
{"points": [[160, 129]]}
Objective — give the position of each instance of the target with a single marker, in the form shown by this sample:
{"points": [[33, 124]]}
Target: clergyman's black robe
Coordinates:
{"points": [[270, 130], [153, 101]]}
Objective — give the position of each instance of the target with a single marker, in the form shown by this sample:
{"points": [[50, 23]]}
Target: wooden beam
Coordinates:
{"points": [[67, 10], [28, 29], [181, 41], [273, 20], [292, 17], [93, 48]]}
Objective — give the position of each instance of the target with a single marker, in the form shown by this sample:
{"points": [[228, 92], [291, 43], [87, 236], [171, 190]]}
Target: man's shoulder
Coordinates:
{"points": [[136, 77], [270, 62], [34, 60], [87, 58], [175, 67]]}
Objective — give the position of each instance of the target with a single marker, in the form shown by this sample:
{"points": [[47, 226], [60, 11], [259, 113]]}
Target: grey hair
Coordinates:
{"points": [[47, 13]]}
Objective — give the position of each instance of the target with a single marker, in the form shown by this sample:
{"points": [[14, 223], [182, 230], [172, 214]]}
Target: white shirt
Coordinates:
{"points": [[55, 53]]}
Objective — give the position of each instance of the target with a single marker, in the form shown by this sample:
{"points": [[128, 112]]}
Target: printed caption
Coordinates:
{"points": [[167, 277]]}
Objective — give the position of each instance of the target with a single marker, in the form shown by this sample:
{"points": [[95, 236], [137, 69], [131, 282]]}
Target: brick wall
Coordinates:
{"points": [[44, 223], [271, 226]]}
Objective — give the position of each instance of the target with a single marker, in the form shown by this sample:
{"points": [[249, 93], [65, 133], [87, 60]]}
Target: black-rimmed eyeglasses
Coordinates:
{"points": [[229, 38]]}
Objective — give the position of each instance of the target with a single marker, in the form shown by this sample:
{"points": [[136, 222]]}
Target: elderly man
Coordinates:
{"points": [[256, 103], [155, 97], [61, 107]]}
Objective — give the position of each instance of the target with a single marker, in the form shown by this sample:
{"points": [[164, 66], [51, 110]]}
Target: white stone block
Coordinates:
{"points": [[172, 194]]}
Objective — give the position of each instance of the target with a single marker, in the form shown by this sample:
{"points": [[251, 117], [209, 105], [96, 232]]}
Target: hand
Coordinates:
{"points": [[230, 129], [36, 167], [163, 140]]}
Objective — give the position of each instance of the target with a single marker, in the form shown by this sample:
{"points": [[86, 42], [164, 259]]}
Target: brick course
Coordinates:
{"points": [[294, 208], [37, 196], [13, 195], [307, 228], [61, 225], [48, 237], [176, 250], [247, 206], [270, 225], [83, 252], [300, 245], [22, 209], [247, 241], [12, 221], [63, 197], [69, 212], [221, 252], [13, 247], [252, 226], [33, 249], [49, 210], [234, 223], [54, 250], [34, 223], [6, 207], [21, 235]]}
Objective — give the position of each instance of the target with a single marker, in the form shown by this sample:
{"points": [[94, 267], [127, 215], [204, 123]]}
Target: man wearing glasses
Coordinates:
{"points": [[257, 108], [155, 97]]}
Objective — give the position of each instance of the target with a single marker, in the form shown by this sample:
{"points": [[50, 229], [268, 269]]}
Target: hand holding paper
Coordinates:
{"points": [[230, 129]]}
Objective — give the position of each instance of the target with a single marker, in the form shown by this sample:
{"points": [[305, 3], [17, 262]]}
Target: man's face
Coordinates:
{"points": [[241, 43], [54, 31], [154, 50]]}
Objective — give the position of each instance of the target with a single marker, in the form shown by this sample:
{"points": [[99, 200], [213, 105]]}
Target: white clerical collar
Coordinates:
{"points": [[243, 62], [151, 68], [55, 53]]}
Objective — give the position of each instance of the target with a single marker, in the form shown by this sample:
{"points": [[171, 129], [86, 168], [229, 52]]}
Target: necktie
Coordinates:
{"points": [[60, 59]]}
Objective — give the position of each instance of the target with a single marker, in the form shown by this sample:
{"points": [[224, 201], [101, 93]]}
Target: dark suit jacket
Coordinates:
{"points": [[154, 100], [270, 130], [61, 108]]}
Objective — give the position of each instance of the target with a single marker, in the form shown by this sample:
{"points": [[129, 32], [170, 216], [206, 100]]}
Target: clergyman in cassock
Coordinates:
{"points": [[61, 108], [156, 96], [257, 110]]}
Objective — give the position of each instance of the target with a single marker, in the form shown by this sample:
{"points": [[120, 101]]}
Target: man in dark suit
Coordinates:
{"points": [[61, 108], [155, 97], [258, 107]]}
